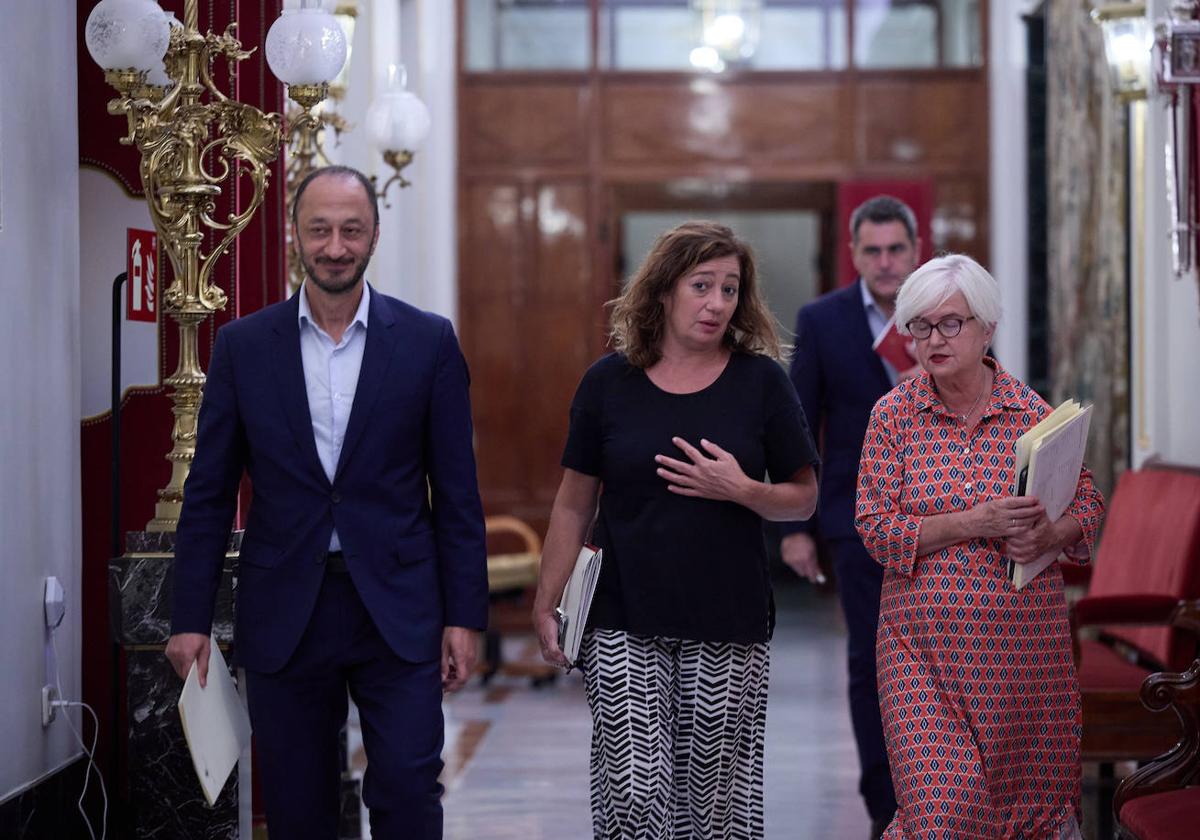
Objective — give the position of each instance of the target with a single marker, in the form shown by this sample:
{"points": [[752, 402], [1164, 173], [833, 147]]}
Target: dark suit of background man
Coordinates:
{"points": [[839, 377], [363, 563]]}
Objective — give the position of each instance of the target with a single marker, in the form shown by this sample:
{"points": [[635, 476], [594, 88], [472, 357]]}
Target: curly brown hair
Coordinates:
{"points": [[638, 315]]}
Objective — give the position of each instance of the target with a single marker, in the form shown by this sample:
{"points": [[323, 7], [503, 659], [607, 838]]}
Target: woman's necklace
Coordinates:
{"points": [[963, 417]]}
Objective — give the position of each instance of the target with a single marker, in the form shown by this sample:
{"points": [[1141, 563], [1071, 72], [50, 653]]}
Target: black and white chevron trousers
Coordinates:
{"points": [[677, 737]]}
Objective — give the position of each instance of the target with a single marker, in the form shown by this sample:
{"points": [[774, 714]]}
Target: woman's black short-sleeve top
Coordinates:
{"points": [[678, 566]]}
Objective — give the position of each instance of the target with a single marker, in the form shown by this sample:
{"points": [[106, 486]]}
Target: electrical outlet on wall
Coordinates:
{"points": [[49, 710], [55, 602]]}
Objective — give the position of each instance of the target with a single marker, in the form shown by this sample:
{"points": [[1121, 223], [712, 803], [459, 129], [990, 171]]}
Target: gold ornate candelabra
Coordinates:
{"points": [[195, 144]]}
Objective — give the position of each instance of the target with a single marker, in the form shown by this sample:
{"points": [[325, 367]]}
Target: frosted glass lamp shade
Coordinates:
{"points": [[1127, 46], [1128, 42], [127, 34], [158, 76], [398, 121], [306, 46], [327, 5]]}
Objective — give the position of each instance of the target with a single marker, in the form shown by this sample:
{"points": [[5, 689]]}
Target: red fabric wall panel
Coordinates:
{"points": [[918, 195]]}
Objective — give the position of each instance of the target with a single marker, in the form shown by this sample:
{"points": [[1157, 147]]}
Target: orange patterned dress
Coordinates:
{"points": [[977, 688]]}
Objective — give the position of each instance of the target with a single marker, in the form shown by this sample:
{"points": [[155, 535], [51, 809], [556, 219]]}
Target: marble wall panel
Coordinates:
{"points": [[166, 801], [140, 589], [1088, 283], [164, 796]]}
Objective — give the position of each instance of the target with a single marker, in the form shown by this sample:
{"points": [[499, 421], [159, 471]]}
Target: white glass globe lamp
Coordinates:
{"points": [[130, 36], [306, 49], [398, 121]]}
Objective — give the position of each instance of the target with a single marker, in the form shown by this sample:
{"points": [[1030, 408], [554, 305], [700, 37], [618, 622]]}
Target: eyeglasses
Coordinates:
{"points": [[948, 327]]}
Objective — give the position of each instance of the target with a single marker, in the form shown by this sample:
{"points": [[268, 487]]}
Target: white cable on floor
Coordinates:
{"points": [[91, 753]]}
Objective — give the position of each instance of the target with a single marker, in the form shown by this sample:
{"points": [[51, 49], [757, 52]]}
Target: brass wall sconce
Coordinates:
{"points": [[1177, 70], [196, 144], [1128, 38], [398, 122], [1163, 59]]}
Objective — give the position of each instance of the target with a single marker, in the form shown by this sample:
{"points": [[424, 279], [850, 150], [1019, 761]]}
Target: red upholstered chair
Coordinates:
{"points": [[1161, 799], [1146, 566]]}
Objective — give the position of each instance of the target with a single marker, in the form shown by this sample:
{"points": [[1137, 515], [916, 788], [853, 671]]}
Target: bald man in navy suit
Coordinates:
{"points": [[363, 565]]}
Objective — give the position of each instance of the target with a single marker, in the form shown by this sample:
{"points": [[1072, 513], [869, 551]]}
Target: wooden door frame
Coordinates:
{"points": [[725, 195]]}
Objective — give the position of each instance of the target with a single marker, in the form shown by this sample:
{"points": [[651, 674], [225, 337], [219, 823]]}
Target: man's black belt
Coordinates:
{"points": [[335, 561]]}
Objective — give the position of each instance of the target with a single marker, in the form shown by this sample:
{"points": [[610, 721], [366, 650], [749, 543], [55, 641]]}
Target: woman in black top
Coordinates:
{"points": [[674, 435]]}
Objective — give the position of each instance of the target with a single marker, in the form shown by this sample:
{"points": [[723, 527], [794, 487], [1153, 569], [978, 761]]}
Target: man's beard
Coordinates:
{"points": [[336, 287]]}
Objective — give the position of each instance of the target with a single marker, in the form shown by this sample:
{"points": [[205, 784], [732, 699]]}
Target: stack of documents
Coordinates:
{"points": [[1049, 457], [215, 723], [576, 601]]}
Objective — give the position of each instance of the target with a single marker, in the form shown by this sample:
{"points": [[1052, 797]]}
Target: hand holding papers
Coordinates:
{"points": [[576, 601], [215, 723], [1049, 457]]}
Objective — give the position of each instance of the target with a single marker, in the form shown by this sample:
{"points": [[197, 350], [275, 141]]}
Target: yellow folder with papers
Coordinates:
{"points": [[1049, 457]]}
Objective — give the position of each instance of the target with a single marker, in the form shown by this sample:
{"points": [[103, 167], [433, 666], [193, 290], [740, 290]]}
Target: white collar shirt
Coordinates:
{"points": [[331, 378]]}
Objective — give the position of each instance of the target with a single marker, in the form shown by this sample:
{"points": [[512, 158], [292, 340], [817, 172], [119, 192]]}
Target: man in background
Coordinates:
{"points": [[839, 376], [363, 566]]}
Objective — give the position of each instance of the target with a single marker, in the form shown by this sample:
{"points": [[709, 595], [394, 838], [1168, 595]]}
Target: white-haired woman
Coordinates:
{"points": [[977, 688]]}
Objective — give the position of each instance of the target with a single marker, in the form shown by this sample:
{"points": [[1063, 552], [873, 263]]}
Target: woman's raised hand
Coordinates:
{"points": [[716, 475], [1006, 517]]}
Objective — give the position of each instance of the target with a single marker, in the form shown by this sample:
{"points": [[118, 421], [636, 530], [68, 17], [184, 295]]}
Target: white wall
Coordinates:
{"points": [[39, 376], [1009, 195], [1166, 327], [416, 259]]}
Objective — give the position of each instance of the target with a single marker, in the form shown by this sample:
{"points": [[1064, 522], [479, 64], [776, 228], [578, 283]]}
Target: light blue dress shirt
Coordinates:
{"points": [[878, 322], [331, 378]]}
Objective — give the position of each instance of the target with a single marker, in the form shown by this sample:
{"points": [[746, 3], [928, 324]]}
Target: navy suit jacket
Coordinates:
{"points": [[839, 378], [404, 497]]}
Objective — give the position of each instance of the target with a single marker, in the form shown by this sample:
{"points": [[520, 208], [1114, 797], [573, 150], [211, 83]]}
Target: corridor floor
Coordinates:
{"points": [[517, 756]]}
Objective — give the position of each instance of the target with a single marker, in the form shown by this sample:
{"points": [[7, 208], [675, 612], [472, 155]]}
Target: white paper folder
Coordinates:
{"points": [[572, 612], [215, 723]]}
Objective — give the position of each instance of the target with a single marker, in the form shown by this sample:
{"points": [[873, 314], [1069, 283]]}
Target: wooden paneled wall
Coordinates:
{"points": [[543, 157]]}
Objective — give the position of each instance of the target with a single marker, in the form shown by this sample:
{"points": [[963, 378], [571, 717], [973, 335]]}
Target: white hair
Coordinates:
{"points": [[933, 283]]}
